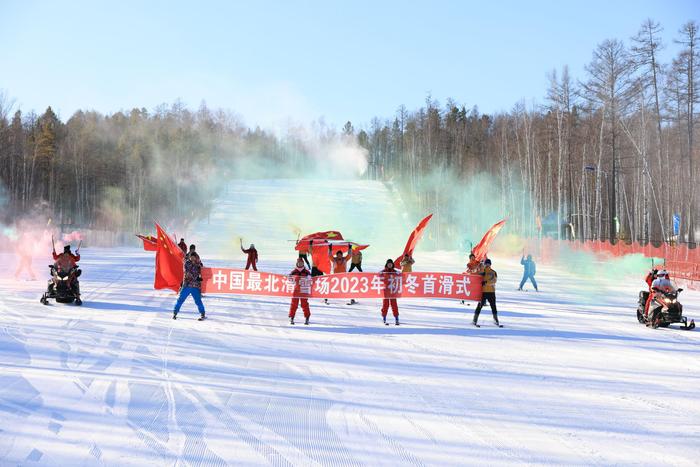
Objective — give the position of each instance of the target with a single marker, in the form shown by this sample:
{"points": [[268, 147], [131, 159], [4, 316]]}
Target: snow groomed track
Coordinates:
{"points": [[571, 379]]}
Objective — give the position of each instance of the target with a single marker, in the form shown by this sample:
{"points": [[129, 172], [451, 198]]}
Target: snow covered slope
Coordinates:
{"points": [[571, 379], [271, 214]]}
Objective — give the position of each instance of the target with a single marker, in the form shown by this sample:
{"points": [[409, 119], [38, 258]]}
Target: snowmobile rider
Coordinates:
{"points": [[66, 260], [488, 293], [191, 283], [649, 279], [299, 271], [529, 270], [389, 269], [662, 284], [407, 263], [252, 257]]}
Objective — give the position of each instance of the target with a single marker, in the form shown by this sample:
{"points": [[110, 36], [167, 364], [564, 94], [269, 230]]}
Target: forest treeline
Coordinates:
{"points": [[122, 171], [611, 154]]}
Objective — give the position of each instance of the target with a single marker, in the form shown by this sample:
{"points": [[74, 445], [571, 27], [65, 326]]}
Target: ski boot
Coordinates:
{"points": [[291, 320], [306, 321], [201, 318]]}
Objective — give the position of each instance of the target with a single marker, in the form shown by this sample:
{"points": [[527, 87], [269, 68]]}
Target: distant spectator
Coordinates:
{"points": [[529, 270], [252, 257], [183, 246]]}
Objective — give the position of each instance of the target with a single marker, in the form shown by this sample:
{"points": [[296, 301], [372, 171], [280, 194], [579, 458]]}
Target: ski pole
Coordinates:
{"points": [[53, 244], [79, 244]]}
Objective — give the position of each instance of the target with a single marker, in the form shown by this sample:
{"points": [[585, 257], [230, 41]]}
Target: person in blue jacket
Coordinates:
{"points": [[528, 271]]}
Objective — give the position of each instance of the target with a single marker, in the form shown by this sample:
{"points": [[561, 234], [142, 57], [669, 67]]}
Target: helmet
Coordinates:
{"points": [[66, 249], [662, 273], [488, 261]]}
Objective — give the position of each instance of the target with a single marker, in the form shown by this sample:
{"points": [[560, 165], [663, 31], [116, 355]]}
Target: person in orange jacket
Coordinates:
{"points": [[339, 262]]}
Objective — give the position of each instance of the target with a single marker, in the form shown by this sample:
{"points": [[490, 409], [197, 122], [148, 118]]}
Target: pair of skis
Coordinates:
{"points": [[479, 325]]}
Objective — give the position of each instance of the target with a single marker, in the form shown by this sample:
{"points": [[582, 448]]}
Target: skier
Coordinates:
{"points": [[299, 271], [191, 283], [529, 270], [183, 246], [389, 269], [252, 256], [488, 293], [407, 263]]}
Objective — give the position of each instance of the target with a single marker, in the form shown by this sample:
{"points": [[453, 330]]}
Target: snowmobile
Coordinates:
{"points": [[664, 310], [63, 286]]}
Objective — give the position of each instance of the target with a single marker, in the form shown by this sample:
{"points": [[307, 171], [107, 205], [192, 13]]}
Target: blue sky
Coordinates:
{"points": [[276, 62]]}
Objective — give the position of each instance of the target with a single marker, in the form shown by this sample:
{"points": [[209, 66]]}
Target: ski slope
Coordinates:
{"points": [[571, 379]]}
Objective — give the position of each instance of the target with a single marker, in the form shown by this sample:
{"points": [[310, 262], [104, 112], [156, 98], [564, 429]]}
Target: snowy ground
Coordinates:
{"points": [[571, 379]]}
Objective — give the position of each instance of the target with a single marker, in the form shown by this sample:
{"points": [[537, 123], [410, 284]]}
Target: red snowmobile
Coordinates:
{"points": [[63, 286], [664, 310]]}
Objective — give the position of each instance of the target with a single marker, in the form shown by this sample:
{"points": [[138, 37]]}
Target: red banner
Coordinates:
{"points": [[348, 285]]}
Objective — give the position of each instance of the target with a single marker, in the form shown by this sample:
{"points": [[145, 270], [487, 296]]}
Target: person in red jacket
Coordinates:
{"points": [[66, 260], [299, 271], [389, 269], [183, 246], [252, 257], [651, 277]]}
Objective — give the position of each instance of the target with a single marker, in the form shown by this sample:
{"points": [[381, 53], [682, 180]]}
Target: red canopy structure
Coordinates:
{"points": [[318, 244]]}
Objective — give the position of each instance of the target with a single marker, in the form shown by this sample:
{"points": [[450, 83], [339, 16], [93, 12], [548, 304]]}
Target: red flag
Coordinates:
{"points": [[482, 248], [414, 238], [149, 242], [169, 263], [319, 247]]}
